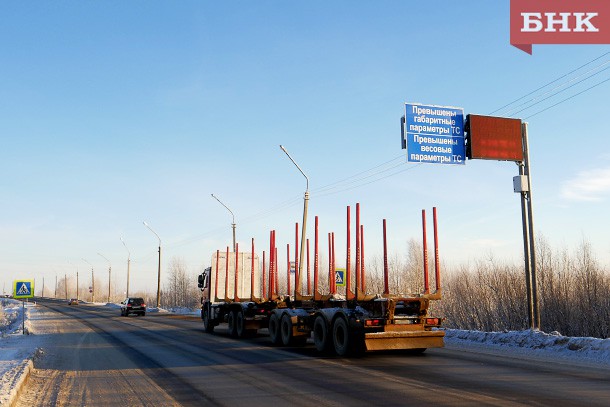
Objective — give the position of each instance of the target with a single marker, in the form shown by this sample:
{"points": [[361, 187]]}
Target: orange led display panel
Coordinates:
{"points": [[494, 138]]}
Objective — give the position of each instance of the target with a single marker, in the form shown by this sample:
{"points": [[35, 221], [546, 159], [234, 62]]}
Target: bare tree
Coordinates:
{"points": [[180, 289]]}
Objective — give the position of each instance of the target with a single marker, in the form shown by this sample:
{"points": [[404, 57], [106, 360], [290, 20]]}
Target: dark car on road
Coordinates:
{"points": [[133, 305]]}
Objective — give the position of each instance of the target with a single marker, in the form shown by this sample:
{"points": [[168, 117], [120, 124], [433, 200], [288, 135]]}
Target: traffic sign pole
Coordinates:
{"points": [[523, 185]]}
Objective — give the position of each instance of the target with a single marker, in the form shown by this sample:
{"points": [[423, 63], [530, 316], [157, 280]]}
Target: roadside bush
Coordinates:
{"points": [[573, 294]]}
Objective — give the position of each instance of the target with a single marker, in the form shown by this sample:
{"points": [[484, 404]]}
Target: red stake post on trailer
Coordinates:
{"points": [[263, 280], [216, 276], [297, 287], [288, 268], [348, 274], [271, 265], [333, 274], [362, 280], [315, 262], [357, 249], [252, 273], [330, 264], [227, 276], [236, 297], [386, 279], [276, 274]]}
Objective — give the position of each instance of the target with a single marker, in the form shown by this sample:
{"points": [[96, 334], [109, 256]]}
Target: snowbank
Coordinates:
{"points": [[16, 349], [536, 344]]}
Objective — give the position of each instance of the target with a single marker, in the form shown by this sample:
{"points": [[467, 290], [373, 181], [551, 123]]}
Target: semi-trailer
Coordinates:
{"points": [[348, 323]]}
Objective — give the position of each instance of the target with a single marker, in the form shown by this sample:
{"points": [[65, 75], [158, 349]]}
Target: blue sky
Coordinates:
{"points": [[114, 113]]}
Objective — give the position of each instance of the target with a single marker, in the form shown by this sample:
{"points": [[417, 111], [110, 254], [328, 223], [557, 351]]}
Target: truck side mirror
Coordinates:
{"points": [[200, 281]]}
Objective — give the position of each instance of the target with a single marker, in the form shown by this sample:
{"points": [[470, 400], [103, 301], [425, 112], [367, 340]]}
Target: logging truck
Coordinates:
{"points": [[238, 291]]}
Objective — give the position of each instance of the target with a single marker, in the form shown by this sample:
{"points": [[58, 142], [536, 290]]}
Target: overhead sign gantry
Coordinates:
{"points": [[438, 134]]}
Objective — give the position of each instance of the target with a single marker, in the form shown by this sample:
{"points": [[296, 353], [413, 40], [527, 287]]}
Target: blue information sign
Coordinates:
{"points": [[435, 134]]}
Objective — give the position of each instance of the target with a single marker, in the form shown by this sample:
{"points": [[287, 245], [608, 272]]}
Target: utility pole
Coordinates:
{"points": [[159, 269]]}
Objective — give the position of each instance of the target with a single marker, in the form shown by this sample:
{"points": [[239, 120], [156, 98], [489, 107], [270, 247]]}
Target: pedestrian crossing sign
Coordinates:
{"points": [[23, 289], [340, 277]]}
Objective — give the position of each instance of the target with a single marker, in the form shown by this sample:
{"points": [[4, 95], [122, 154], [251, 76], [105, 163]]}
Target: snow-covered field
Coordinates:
{"points": [[17, 350]]}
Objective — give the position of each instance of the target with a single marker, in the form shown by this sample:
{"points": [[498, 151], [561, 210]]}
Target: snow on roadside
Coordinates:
{"points": [[16, 349], [536, 344]]}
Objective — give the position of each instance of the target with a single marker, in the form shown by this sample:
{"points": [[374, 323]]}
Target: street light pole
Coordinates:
{"points": [[109, 273], [92, 281], [231, 212], [128, 261], [159, 269], [304, 231]]}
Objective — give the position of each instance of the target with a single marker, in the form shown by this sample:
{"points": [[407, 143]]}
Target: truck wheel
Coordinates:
{"points": [[286, 330], [232, 321], [274, 329], [321, 337], [208, 327], [240, 328], [341, 337]]}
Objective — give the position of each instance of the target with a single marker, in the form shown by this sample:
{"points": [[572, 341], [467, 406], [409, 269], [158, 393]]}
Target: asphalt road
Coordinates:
{"points": [[95, 357]]}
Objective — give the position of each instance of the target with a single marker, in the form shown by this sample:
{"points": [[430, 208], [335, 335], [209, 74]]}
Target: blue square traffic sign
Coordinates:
{"points": [[435, 134]]}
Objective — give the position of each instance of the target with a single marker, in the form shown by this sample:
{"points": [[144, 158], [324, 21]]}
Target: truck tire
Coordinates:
{"points": [[240, 324], [232, 321], [288, 339], [341, 337], [274, 329], [208, 326], [286, 330], [321, 337]]}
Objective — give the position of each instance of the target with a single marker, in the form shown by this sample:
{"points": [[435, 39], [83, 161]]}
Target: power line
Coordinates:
{"points": [[355, 175], [568, 98], [550, 83], [512, 112], [563, 90], [370, 182]]}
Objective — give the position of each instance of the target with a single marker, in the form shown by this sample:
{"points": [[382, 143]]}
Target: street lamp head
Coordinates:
{"points": [[109, 264], [299, 168], [128, 252], [155, 233]]}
